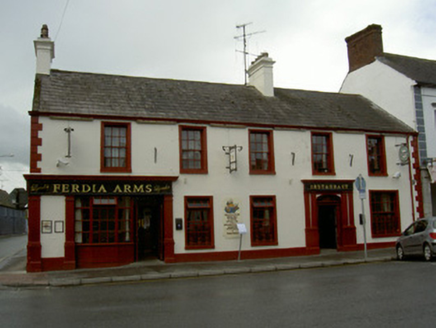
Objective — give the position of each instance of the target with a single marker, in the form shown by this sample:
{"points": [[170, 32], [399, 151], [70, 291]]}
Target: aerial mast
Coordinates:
{"points": [[244, 40]]}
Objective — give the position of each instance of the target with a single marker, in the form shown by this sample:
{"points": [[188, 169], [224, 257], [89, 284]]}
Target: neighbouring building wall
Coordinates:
{"points": [[386, 87], [428, 96]]}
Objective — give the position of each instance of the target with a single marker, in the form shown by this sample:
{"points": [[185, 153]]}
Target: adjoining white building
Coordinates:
{"points": [[126, 168], [406, 88]]}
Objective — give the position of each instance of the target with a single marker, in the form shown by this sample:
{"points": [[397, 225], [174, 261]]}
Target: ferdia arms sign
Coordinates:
{"points": [[99, 188]]}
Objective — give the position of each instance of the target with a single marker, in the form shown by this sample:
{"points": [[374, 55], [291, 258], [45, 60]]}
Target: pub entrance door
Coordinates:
{"points": [[149, 228], [328, 221]]}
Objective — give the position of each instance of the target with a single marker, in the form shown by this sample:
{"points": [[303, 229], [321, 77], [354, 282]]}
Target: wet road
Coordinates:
{"points": [[13, 252], [392, 294]]}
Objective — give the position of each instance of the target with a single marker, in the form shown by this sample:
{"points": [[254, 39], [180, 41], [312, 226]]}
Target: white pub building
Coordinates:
{"points": [[125, 168]]}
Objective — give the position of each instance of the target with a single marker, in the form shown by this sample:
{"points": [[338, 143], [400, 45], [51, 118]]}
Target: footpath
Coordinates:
{"points": [[157, 270]]}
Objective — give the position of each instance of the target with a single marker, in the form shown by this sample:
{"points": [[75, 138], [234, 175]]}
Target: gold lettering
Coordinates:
{"points": [[139, 188], [74, 188], [65, 188], [102, 189], [149, 188], [117, 188], [86, 188], [127, 188], [56, 187]]}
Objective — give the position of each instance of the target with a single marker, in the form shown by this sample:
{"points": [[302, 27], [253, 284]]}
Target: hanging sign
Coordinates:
{"points": [[231, 151]]}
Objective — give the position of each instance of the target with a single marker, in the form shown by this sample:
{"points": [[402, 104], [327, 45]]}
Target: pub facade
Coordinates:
{"points": [[124, 169]]}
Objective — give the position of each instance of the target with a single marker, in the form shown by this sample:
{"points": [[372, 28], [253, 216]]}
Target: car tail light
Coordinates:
{"points": [[433, 235]]}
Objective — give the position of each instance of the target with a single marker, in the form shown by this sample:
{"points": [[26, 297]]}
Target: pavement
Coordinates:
{"points": [[13, 274]]}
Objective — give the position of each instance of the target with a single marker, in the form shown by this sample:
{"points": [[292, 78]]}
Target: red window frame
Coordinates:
{"points": [[376, 155], [103, 220], [385, 213], [263, 220], [199, 224], [261, 152], [322, 154], [115, 147], [193, 149]]}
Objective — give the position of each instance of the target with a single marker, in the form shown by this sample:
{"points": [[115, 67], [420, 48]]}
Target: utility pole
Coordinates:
{"points": [[244, 40]]}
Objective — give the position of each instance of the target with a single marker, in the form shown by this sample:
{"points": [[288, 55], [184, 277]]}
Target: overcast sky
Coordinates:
{"points": [[191, 40]]}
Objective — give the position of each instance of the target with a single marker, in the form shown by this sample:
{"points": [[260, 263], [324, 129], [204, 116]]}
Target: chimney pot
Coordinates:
{"points": [[260, 74], [364, 46], [44, 51], [44, 31]]}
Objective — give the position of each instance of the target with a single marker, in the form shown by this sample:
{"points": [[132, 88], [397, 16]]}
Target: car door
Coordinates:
{"points": [[418, 237], [407, 239]]}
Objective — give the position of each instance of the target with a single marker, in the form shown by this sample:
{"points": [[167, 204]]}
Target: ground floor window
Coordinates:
{"points": [[385, 214], [263, 221], [103, 220], [199, 222]]}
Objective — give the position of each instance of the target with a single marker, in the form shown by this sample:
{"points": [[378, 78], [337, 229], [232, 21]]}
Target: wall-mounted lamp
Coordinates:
{"points": [[62, 162], [69, 130]]}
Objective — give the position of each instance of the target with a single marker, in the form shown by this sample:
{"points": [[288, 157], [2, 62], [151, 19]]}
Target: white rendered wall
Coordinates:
{"points": [[386, 87], [53, 209], [286, 184], [86, 141]]}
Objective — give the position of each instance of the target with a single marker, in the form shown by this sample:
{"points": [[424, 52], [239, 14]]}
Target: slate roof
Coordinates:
{"points": [[5, 200], [420, 70], [83, 94]]}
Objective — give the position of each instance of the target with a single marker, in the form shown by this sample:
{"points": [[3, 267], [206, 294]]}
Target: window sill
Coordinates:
{"points": [[199, 247], [262, 172]]}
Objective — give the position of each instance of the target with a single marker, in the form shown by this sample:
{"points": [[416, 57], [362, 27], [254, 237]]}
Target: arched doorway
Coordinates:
{"points": [[329, 222]]}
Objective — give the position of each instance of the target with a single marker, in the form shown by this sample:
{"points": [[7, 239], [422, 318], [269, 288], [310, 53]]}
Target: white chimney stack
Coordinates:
{"points": [[260, 74], [44, 51]]}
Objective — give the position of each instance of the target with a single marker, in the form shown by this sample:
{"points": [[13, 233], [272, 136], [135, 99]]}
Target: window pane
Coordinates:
{"points": [[259, 151], [385, 219], [192, 154], [321, 153], [263, 221], [115, 147], [199, 223]]}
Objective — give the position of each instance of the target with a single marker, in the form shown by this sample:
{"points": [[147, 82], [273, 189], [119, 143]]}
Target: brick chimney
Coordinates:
{"points": [[260, 74], [364, 46], [44, 51]]}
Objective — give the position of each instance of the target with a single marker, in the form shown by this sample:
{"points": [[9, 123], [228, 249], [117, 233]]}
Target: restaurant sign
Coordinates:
{"points": [[133, 188], [328, 186]]}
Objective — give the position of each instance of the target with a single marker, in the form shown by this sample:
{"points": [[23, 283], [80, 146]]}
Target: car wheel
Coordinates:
{"points": [[427, 253], [400, 253]]}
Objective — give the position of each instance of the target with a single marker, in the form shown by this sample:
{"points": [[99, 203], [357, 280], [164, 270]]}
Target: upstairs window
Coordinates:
{"points": [[375, 148], [322, 154], [115, 149], [193, 149], [261, 152]]}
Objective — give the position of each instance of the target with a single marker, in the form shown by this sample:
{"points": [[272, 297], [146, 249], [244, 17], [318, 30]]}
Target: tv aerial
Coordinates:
{"points": [[244, 37]]}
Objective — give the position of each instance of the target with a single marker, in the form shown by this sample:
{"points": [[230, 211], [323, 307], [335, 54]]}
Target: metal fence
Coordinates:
{"points": [[12, 221]]}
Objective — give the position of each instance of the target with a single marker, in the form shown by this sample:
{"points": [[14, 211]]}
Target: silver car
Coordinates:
{"points": [[418, 239]]}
